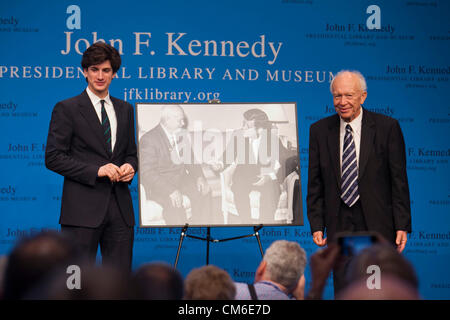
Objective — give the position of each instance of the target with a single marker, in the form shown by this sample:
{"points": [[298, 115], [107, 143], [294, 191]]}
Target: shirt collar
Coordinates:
{"points": [[95, 99], [355, 123], [172, 137], [276, 286]]}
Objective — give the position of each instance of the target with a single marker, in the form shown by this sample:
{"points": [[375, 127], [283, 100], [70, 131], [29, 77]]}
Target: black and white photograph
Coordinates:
{"points": [[218, 164]]}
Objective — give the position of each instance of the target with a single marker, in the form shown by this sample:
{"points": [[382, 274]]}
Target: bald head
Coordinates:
{"points": [[350, 75], [172, 118], [349, 93]]}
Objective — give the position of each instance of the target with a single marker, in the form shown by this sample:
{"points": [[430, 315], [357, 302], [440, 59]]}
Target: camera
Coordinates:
{"points": [[352, 243]]}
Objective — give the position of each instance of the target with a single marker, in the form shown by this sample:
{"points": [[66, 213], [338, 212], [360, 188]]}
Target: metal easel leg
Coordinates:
{"points": [[182, 236]]}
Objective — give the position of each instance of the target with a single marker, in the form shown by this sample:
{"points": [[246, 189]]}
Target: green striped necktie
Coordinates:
{"points": [[106, 127]]}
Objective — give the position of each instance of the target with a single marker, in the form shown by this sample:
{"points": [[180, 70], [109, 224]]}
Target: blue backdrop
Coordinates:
{"points": [[236, 51]]}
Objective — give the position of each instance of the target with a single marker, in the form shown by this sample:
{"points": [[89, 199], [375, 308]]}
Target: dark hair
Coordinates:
{"points": [[158, 281], [34, 258], [388, 259], [96, 283], [260, 117], [100, 52]]}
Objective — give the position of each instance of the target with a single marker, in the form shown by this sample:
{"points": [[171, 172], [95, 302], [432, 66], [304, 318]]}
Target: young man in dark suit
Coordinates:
{"points": [[257, 166], [357, 171], [91, 143]]}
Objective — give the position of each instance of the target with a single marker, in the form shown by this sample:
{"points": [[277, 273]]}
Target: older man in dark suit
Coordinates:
{"points": [[357, 170], [91, 143], [171, 178]]}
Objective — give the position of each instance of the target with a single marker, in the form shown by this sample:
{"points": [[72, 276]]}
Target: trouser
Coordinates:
{"points": [[268, 201], [200, 206], [113, 235]]}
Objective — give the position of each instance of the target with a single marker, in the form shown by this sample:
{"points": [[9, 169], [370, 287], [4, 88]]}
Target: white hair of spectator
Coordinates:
{"points": [[286, 262]]}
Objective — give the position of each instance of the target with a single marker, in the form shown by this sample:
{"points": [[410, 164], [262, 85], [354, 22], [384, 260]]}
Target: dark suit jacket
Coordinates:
{"points": [[382, 179], [161, 176], [76, 149]]}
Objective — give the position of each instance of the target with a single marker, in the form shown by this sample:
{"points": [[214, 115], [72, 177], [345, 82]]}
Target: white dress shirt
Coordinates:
{"points": [[173, 140], [275, 165], [109, 111], [356, 128]]}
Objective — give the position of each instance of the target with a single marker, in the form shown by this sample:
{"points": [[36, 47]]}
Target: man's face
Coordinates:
{"points": [[348, 96], [175, 121], [99, 78], [250, 130]]}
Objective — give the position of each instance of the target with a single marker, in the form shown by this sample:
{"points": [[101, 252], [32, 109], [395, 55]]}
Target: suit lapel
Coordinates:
{"points": [[367, 138], [333, 147], [165, 140], [88, 112]]}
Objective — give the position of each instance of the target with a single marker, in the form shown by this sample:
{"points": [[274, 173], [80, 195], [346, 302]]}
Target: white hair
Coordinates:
{"points": [[362, 80], [168, 112], [286, 263]]}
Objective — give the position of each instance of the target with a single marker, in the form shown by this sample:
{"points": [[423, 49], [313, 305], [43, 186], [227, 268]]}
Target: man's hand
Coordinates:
{"points": [[318, 238], [263, 179], [177, 199], [401, 240], [111, 171], [202, 186], [321, 263], [299, 291], [215, 165], [127, 172]]}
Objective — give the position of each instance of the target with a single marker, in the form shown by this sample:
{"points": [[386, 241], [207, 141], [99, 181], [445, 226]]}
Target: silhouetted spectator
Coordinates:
{"points": [[209, 283], [35, 257], [3, 263], [392, 265], [158, 281], [388, 259], [392, 288], [279, 275], [95, 283]]}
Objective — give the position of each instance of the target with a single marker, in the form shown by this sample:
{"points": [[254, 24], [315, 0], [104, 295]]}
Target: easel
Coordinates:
{"points": [[208, 239]]}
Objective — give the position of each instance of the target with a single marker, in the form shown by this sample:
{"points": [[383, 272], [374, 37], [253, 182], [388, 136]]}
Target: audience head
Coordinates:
{"points": [[284, 263], [158, 281], [392, 288], [94, 283], [209, 283], [35, 257], [3, 263], [387, 258]]}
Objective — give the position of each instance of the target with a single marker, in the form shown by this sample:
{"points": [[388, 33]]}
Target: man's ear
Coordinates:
{"points": [[363, 97], [259, 275]]}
